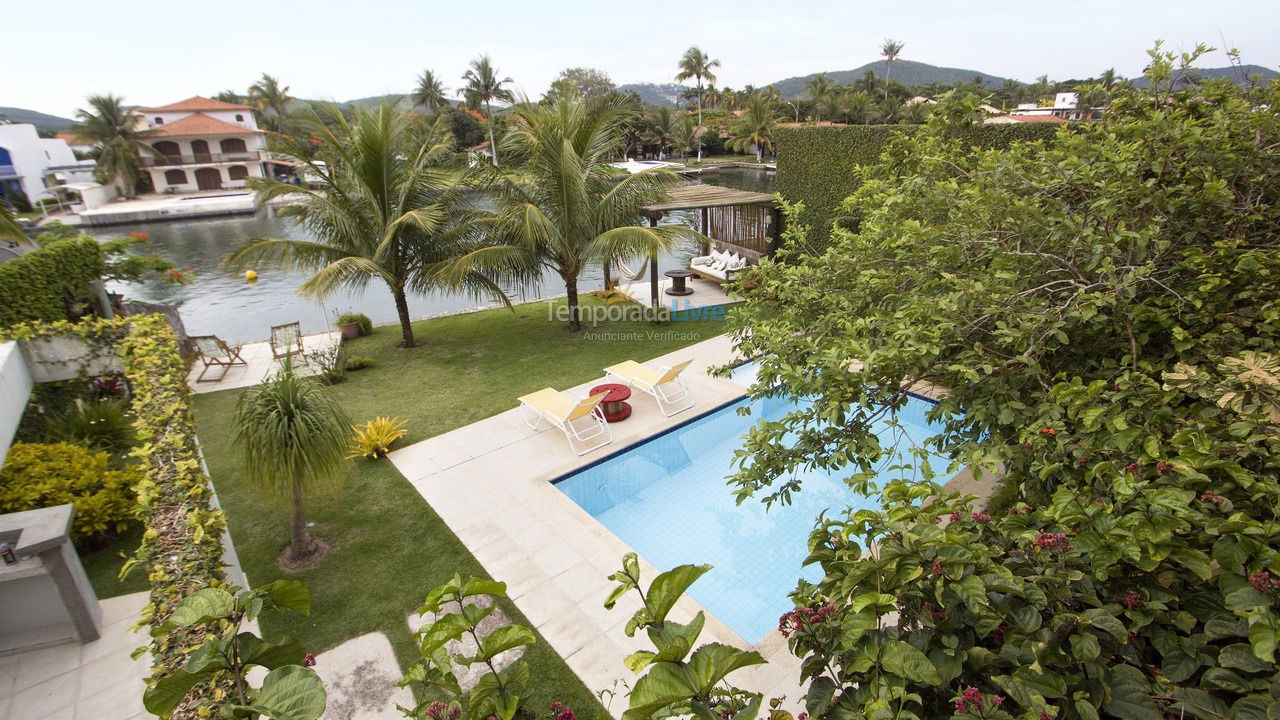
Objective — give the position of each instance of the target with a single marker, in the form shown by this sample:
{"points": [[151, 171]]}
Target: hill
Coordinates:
{"points": [[907, 72], [667, 94], [1239, 74], [39, 119]]}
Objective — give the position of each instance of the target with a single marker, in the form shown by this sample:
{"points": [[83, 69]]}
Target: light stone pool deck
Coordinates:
{"points": [[491, 483], [260, 364]]}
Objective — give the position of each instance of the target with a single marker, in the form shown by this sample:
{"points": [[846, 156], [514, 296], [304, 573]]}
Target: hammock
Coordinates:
{"points": [[626, 271]]}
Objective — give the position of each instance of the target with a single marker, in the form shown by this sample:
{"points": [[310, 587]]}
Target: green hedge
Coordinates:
{"points": [[182, 548], [816, 164], [35, 286]]}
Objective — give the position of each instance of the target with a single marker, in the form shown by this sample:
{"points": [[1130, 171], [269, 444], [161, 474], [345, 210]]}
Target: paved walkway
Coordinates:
{"points": [[260, 364], [94, 681]]}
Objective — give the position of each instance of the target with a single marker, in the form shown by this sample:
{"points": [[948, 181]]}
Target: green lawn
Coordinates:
{"points": [[102, 566], [391, 547], [692, 160]]}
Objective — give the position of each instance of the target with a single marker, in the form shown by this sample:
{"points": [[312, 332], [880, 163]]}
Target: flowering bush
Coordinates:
{"points": [[1102, 312]]}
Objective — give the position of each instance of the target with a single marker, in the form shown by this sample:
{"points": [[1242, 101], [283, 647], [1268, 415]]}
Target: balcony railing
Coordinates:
{"points": [[204, 158], [8, 171]]}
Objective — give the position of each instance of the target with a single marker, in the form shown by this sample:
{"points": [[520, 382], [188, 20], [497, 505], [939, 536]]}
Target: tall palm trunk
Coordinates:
{"points": [[300, 544], [402, 309], [571, 290], [699, 119], [493, 144], [653, 285]]}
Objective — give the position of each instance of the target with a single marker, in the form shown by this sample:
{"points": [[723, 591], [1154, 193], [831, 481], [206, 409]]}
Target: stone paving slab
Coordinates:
{"points": [[93, 681]]}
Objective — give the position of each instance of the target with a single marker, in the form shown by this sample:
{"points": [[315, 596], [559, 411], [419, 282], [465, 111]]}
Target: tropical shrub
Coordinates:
{"points": [[1101, 311], [358, 362], [290, 690], [329, 362], [374, 438], [360, 319], [37, 476], [37, 285], [499, 693], [105, 425], [679, 680]]}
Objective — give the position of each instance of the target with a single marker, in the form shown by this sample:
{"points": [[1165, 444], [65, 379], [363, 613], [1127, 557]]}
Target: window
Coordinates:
{"points": [[159, 121], [237, 172], [175, 177], [229, 146], [239, 118]]}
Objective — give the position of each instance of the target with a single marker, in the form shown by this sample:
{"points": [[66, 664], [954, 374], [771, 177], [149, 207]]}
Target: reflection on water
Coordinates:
{"points": [[222, 303]]}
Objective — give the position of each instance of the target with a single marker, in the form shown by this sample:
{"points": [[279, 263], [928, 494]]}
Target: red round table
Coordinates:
{"points": [[614, 405]]}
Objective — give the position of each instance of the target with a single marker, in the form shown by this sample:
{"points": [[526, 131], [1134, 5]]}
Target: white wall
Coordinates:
{"points": [[31, 154], [15, 388], [246, 120]]}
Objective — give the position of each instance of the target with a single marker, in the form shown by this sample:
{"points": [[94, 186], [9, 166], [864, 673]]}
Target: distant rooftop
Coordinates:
{"points": [[198, 124], [196, 104]]}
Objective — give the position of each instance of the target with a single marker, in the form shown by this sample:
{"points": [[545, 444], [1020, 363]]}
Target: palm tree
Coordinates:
{"points": [[9, 227], [660, 128], [268, 95], [890, 50], [118, 135], [860, 108], [754, 127], [430, 92], [566, 210], [1108, 79], [831, 106], [387, 205], [229, 96], [293, 434], [685, 135], [818, 87], [697, 64], [483, 86]]}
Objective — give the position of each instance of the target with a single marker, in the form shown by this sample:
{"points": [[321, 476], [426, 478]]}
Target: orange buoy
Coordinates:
{"points": [[250, 275]]}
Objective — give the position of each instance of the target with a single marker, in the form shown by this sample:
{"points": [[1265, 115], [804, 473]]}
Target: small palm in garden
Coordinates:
{"points": [[293, 434]]}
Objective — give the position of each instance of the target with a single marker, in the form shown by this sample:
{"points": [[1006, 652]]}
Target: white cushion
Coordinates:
{"points": [[739, 263], [717, 255], [701, 260]]}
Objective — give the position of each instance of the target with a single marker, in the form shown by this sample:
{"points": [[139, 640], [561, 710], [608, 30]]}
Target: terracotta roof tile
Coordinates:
{"points": [[197, 124], [195, 104]]}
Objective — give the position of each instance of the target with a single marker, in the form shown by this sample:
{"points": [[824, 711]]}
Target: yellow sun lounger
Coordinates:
{"points": [[664, 384], [580, 420]]}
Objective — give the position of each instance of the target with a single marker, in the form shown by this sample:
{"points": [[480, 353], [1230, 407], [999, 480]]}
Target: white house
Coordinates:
{"points": [[202, 144], [1066, 105], [25, 157]]}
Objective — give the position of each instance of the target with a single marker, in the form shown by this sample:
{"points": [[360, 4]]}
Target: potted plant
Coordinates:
{"points": [[350, 325]]}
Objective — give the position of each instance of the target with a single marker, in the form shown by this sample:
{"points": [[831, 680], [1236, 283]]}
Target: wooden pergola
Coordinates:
{"points": [[745, 219], [748, 222]]}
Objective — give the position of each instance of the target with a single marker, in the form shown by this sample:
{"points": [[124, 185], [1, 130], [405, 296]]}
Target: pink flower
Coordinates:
{"points": [[1263, 582], [980, 517], [1208, 496], [1053, 542], [1163, 467], [309, 660], [1132, 599], [937, 567]]}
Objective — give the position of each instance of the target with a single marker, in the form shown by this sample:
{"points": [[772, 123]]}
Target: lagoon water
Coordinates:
{"points": [[222, 303]]}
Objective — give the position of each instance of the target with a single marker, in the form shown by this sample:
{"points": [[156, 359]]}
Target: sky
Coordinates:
{"points": [[156, 53]]}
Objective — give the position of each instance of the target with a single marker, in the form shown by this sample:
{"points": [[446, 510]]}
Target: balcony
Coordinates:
{"points": [[201, 159], [8, 171]]}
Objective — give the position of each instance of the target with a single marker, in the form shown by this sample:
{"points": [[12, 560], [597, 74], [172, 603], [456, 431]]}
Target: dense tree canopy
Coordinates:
{"points": [[1102, 312]]}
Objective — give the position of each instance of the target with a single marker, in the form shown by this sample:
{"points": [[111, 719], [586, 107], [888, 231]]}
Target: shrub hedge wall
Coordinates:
{"points": [[34, 286], [817, 164], [182, 547]]}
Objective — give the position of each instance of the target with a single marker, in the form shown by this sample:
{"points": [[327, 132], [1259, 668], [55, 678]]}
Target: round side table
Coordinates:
{"points": [[614, 405], [678, 286]]}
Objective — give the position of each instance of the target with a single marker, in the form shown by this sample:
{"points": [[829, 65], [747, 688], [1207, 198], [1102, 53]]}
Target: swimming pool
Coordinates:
{"points": [[668, 500]]}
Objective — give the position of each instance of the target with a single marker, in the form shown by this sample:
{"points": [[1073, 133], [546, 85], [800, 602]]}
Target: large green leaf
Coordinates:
{"points": [[1130, 699], [291, 692], [162, 697], [256, 651], [674, 640], [1240, 656], [668, 587], [904, 660], [710, 663], [664, 684], [822, 691], [203, 605], [288, 595], [444, 629], [503, 639]]}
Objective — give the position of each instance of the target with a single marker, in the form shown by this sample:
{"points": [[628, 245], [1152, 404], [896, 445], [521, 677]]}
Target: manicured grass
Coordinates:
{"points": [[102, 566], [692, 160], [390, 546]]}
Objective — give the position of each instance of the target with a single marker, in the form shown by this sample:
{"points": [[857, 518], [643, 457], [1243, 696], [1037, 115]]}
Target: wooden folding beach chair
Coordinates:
{"points": [[214, 352], [286, 341], [664, 384], [581, 421]]}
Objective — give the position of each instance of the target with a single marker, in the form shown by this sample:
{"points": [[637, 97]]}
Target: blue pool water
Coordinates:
{"points": [[668, 500]]}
